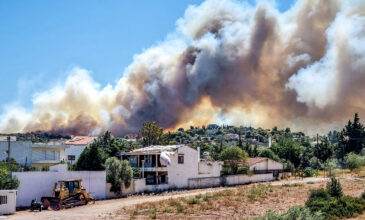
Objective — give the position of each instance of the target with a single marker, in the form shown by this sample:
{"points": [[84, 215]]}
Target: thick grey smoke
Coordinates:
{"points": [[227, 62]]}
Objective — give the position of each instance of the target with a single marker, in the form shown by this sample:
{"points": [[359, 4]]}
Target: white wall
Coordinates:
{"points": [[267, 164], [244, 179], [204, 182], [273, 165], [74, 150], [213, 168], [34, 185]]}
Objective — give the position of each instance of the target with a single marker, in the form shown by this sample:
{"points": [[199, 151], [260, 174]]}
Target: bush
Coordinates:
{"points": [[193, 201], [350, 205], [242, 170], [6, 182], [113, 168], [353, 161], [310, 172], [334, 188], [117, 172], [346, 206], [294, 213], [315, 163], [10, 164], [227, 170], [126, 173], [363, 195]]}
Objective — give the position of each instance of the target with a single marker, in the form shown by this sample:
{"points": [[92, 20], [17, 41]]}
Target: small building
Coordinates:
{"points": [[48, 154], [7, 201], [76, 145], [171, 166], [232, 136], [261, 165], [21, 151]]}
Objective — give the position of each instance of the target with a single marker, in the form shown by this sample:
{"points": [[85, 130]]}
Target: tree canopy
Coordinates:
{"points": [[92, 158], [151, 133], [290, 150], [323, 150]]}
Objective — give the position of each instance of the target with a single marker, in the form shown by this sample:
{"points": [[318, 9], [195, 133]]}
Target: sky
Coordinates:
{"points": [[40, 41]]}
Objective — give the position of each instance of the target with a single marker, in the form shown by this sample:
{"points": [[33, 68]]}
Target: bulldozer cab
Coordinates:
{"points": [[65, 188], [72, 185]]}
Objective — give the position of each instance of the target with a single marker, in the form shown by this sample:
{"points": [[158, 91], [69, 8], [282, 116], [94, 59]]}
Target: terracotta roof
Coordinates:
{"points": [[254, 160], [80, 140]]}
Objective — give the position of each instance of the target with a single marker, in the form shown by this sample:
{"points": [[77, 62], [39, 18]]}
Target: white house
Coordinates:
{"points": [[76, 145], [183, 164]]}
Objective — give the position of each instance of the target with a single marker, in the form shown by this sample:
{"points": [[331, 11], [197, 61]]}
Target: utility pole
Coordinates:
{"points": [[8, 138], [317, 138]]}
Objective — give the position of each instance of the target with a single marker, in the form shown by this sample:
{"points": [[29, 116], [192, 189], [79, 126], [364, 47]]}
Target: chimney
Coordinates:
{"points": [[198, 154]]}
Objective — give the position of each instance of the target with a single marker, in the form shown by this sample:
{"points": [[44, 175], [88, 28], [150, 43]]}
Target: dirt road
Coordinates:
{"points": [[104, 209]]}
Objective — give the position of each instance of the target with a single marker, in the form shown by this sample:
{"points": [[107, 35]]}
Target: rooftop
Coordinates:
{"points": [[253, 160], [81, 140], [155, 149], [51, 144]]}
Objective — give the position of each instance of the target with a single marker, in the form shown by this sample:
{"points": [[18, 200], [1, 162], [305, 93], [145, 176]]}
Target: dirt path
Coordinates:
{"points": [[102, 209]]}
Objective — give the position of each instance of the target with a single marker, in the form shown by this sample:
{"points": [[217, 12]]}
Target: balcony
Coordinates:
{"points": [[153, 169]]}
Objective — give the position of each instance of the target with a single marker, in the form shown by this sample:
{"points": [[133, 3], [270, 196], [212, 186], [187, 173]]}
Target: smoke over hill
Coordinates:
{"points": [[226, 62]]}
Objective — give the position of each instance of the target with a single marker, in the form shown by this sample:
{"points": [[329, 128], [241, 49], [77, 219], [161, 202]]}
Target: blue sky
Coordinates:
{"points": [[41, 40]]}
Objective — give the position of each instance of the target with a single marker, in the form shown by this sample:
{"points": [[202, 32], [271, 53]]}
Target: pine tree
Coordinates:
{"points": [[352, 137], [334, 188]]}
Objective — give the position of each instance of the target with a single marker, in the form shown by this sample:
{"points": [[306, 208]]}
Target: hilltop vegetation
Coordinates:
{"points": [[297, 151], [37, 137]]}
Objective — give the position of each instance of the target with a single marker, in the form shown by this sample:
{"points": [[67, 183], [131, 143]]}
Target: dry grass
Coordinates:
{"points": [[238, 203]]}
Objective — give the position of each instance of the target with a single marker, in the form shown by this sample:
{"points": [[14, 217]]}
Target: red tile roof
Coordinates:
{"points": [[254, 160], [80, 140]]}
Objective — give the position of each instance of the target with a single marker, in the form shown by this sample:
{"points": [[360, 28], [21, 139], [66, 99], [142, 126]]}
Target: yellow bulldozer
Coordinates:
{"points": [[67, 194]]}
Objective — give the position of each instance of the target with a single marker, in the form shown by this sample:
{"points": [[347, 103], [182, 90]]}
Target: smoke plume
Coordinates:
{"points": [[227, 62]]}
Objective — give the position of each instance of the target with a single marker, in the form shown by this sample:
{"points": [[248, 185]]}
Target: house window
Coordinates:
{"points": [[3, 200], [181, 158]]}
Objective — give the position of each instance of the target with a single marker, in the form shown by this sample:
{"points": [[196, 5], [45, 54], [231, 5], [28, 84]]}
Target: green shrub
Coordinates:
{"points": [[242, 170], [153, 214], [310, 172], [250, 173], [332, 207], [10, 164], [334, 188], [6, 182], [348, 206], [353, 161], [294, 213], [363, 195], [227, 171], [193, 201], [45, 168]]}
